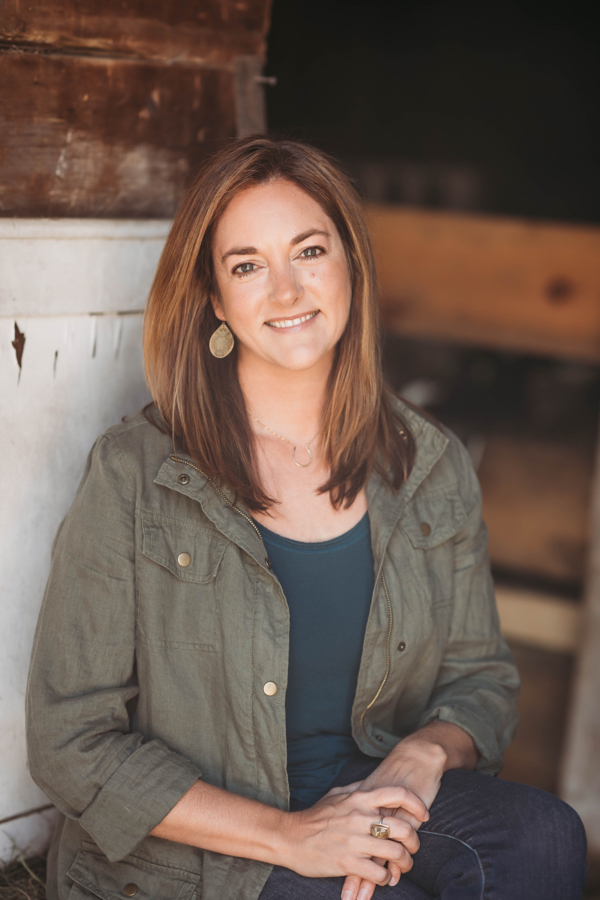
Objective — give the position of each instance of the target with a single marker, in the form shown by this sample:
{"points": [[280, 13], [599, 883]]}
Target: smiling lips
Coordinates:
{"points": [[289, 323]]}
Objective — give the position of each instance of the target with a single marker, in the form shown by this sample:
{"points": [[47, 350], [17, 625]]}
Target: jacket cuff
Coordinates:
{"points": [[484, 737], [137, 797]]}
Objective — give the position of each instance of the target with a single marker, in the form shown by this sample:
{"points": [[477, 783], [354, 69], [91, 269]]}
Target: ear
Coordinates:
{"points": [[217, 308]]}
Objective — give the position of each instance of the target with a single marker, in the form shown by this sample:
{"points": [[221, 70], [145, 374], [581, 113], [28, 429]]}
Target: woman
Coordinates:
{"points": [[269, 636]]}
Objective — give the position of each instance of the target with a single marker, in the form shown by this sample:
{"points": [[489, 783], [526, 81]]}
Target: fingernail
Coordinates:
{"points": [[363, 895], [346, 895], [394, 881]]}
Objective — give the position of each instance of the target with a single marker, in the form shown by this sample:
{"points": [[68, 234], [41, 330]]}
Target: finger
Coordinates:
{"points": [[403, 832], [398, 796], [400, 831], [406, 817], [351, 887], [366, 890], [374, 874], [395, 873], [393, 869], [389, 850]]}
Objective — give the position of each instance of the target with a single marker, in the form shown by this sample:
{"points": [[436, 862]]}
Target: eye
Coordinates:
{"points": [[312, 252], [244, 268]]}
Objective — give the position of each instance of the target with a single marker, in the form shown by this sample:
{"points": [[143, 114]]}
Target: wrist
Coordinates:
{"points": [[285, 837], [423, 752]]}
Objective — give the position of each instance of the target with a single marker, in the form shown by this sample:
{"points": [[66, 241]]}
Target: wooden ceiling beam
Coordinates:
{"points": [[200, 31], [526, 287]]}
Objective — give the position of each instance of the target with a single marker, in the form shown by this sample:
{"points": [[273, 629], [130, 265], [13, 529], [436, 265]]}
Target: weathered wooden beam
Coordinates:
{"points": [[539, 620], [536, 505], [516, 285], [207, 31], [107, 138], [581, 773]]}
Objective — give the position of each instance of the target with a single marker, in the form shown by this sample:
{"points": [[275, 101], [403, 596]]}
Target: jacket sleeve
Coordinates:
{"points": [[477, 684], [82, 753]]}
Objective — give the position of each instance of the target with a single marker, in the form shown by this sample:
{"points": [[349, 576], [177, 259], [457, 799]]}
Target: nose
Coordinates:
{"points": [[286, 289]]}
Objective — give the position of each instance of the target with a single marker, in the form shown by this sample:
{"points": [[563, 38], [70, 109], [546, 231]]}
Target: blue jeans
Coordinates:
{"points": [[486, 839]]}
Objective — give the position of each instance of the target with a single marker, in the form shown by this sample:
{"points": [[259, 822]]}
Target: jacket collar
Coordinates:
{"points": [[385, 507]]}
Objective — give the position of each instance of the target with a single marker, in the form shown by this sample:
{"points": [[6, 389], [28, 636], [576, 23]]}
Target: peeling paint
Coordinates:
{"points": [[19, 345], [118, 334], [94, 336]]}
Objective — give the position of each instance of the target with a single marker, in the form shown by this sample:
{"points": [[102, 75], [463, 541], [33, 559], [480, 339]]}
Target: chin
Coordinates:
{"points": [[300, 360]]}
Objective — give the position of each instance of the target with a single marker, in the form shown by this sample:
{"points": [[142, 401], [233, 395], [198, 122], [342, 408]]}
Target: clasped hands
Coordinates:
{"points": [[334, 834]]}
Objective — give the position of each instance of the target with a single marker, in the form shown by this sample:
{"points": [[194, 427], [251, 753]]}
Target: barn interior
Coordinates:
{"points": [[460, 122]]}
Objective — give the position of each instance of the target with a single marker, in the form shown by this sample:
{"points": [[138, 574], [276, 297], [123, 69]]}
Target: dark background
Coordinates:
{"points": [[507, 90], [491, 108]]}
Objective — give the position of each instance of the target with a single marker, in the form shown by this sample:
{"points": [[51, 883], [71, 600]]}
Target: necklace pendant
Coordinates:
{"points": [[302, 465]]}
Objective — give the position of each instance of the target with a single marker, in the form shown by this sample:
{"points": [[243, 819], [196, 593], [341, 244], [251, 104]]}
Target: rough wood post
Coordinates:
{"points": [[250, 106], [580, 783]]}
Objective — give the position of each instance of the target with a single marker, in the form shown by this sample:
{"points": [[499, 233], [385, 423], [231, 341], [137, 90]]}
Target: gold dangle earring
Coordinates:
{"points": [[221, 341]]}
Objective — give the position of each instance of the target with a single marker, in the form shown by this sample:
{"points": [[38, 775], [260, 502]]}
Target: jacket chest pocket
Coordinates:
{"points": [[178, 583], [432, 521]]}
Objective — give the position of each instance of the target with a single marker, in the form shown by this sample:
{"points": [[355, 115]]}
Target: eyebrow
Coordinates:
{"points": [[248, 251]]}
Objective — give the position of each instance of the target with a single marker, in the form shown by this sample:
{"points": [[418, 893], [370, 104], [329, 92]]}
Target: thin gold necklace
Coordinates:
{"points": [[281, 438]]}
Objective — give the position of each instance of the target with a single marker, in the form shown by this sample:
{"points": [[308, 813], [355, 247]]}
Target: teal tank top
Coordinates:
{"points": [[328, 588]]}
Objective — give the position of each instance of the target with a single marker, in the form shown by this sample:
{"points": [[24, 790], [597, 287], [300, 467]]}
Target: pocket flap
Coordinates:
{"points": [[190, 553], [432, 518], [141, 880]]}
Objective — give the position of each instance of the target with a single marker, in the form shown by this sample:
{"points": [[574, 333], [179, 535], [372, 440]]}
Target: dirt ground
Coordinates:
{"points": [[24, 881]]}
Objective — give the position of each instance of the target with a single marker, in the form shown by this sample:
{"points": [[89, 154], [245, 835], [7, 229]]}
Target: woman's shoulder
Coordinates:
{"points": [[441, 452], [137, 441]]}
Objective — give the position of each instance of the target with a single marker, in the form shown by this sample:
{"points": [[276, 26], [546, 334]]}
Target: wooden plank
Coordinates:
{"points": [[105, 138], [535, 503], [523, 286], [535, 754], [539, 620], [581, 773], [208, 31]]}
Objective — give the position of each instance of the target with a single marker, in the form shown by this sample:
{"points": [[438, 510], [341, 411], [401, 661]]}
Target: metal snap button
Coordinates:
{"points": [[270, 688], [130, 890], [183, 478], [401, 646], [425, 529], [268, 563], [184, 559]]}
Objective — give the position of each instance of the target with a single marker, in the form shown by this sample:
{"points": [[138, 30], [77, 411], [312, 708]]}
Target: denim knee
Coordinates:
{"points": [[549, 836]]}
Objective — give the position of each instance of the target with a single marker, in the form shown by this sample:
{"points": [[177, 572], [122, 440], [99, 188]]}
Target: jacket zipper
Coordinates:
{"points": [[387, 596], [221, 495], [387, 665]]}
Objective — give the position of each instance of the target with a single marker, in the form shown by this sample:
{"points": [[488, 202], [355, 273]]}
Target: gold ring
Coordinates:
{"points": [[379, 830]]}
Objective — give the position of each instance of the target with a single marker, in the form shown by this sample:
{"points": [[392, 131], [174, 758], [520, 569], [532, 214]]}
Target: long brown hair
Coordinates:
{"points": [[199, 397]]}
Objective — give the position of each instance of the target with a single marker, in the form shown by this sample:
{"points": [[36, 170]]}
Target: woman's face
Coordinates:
{"points": [[282, 276]]}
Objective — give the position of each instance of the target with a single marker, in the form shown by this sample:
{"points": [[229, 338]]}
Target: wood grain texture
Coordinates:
{"points": [[523, 286], [536, 506], [208, 31], [107, 138]]}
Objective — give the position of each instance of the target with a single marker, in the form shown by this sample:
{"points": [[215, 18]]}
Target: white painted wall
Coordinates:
{"points": [[76, 289]]}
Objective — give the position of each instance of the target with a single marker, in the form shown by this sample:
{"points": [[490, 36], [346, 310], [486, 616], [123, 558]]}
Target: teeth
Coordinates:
{"points": [[288, 323]]}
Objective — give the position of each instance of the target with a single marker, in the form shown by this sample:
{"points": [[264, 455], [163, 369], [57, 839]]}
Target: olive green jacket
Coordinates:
{"points": [[149, 667]]}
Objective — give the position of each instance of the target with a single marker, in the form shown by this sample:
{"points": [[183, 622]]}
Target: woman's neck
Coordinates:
{"points": [[287, 402]]}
